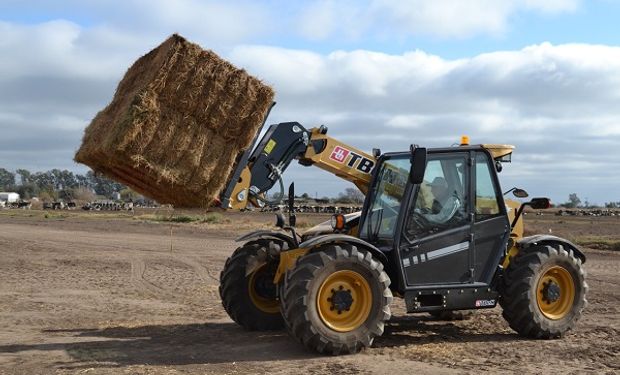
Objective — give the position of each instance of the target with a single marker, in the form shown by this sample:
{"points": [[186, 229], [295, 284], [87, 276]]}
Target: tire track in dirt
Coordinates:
{"points": [[138, 268], [203, 272]]}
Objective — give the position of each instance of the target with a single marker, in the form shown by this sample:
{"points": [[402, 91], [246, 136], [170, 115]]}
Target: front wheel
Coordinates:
{"points": [[251, 299], [544, 292], [337, 299]]}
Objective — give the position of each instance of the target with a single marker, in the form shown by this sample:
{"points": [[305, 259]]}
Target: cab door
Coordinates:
{"points": [[436, 241], [491, 225]]}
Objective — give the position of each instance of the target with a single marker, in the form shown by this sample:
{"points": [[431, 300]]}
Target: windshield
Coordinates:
{"points": [[387, 194]]}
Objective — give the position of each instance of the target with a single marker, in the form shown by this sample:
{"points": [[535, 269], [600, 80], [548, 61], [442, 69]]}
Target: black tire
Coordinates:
{"points": [[235, 286], [451, 315], [301, 291], [520, 290]]}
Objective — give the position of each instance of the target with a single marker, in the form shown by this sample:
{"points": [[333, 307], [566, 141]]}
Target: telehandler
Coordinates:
{"points": [[434, 230]]}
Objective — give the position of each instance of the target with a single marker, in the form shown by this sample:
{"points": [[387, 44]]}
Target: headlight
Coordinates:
{"points": [[338, 221]]}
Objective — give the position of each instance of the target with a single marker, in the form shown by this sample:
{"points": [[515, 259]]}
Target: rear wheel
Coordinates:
{"points": [[544, 292], [251, 300], [337, 299]]}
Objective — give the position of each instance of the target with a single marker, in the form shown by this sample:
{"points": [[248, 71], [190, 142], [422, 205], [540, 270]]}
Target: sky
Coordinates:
{"points": [[541, 75]]}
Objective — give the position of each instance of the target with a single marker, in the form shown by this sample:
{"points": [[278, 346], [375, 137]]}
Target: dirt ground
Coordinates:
{"points": [[116, 294]]}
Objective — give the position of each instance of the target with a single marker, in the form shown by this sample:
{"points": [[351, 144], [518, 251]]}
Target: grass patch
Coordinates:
{"points": [[179, 219], [210, 218], [214, 218], [600, 243], [49, 215]]}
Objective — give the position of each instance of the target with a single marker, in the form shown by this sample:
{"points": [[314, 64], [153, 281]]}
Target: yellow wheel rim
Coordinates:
{"points": [[555, 293], [264, 304], [344, 301]]}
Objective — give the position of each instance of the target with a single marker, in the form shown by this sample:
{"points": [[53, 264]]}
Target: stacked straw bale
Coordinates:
{"points": [[180, 118]]}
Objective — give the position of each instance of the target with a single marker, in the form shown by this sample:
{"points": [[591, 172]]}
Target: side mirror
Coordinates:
{"points": [[520, 193], [418, 164], [535, 203], [540, 203]]}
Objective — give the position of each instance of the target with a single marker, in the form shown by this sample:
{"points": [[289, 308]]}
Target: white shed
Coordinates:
{"points": [[9, 197]]}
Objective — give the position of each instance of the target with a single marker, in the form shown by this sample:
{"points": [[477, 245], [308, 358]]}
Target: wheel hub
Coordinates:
{"points": [[555, 292], [262, 290], [341, 299], [551, 292], [264, 285], [344, 300]]}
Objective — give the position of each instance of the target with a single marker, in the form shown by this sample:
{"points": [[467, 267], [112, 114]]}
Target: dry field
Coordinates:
{"points": [[95, 293]]}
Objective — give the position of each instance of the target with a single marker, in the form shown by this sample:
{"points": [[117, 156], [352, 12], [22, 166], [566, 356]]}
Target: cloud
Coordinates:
{"points": [[555, 103], [442, 18]]}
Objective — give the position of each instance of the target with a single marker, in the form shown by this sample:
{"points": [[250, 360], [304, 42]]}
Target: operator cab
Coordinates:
{"points": [[447, 232]]}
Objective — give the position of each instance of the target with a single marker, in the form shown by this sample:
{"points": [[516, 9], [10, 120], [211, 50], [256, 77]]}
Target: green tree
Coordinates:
{"points": [[573, 201], [28, 190], [351, 195], [7, 180], [24, 176], [83, 194], [102, 185], [127, 194]]}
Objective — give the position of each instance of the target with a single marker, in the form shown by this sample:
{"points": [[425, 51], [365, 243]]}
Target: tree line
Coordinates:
{"points": [[58, 184], [575, 202], [63, 184]]}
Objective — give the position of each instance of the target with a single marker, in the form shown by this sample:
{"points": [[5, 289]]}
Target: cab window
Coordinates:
{"points": [[382, 215], [486, 204], [441, 201]]}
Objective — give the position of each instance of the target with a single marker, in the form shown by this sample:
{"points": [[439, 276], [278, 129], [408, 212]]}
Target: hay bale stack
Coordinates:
{"points": [[178, 121]]}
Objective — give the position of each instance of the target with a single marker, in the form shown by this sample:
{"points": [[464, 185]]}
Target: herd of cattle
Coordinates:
{"points": [[589, 212], [89, 206], [110, 205], [314, 209], [129, 206], [25, 205]]}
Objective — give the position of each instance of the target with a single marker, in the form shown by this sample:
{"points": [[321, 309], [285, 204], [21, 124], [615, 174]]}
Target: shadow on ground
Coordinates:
{"points": [[417, 329], [213, 343], [179, 344]]}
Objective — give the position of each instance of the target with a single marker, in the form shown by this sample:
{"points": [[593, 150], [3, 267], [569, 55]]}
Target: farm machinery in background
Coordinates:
{"points": [[434, 230]]}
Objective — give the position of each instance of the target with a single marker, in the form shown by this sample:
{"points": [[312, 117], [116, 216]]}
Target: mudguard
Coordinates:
{"points": [[331, 238], [545, 239], [267, 234]]}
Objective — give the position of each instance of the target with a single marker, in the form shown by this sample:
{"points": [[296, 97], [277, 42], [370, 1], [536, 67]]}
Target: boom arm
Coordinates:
{"points": [[259, 170]]}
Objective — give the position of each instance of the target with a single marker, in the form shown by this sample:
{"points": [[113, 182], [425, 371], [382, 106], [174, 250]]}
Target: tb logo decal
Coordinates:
{"points": [[357, 161], [339, 154]]}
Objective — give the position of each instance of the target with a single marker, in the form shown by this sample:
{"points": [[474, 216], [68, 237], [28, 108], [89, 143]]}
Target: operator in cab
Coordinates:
{"points": [[445, 203]]}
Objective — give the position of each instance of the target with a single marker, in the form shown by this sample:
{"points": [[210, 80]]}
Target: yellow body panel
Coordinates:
{"points": [[517, 231], [512, 207], [349, 168], [498, 151], [237, 201], [287, 262]]}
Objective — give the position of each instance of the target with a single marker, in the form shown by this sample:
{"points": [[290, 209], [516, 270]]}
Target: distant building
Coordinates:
{"points": [[9, 197]]}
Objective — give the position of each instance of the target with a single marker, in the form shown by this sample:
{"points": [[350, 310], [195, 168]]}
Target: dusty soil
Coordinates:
{"points": [[112, 294]]}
